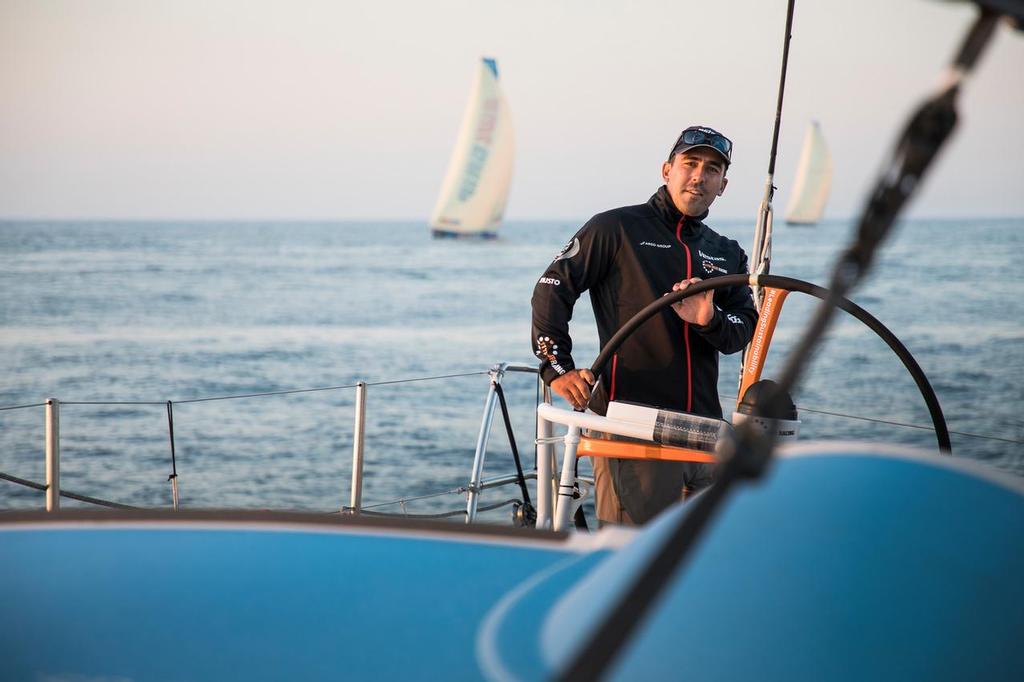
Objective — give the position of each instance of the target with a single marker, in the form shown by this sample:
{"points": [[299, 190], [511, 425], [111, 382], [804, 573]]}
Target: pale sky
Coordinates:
{"points": [[217, 109]]}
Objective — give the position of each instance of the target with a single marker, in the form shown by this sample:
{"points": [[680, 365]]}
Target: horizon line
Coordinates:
{"points": [[945, 217]]}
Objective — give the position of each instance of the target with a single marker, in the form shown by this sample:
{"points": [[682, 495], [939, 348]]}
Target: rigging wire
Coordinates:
{"points": [[761, 253]]}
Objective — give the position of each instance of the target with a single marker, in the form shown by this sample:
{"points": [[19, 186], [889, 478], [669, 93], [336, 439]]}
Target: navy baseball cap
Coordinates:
{"points": [[702, 136]]}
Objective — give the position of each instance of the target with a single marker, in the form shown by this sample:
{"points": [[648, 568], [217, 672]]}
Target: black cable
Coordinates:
{"points": [[21, 481], [520, 477]]}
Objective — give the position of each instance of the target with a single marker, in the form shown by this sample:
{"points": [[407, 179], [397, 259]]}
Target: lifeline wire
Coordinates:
{"points": [[65, 493], [254, 395], [112, 402], [911, 426], [440, 515], [21, 407], [454, 491], [887, 422]]}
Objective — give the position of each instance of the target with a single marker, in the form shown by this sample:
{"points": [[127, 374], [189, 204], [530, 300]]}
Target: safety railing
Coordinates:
{"points": [[555, 494], [476, 485]]}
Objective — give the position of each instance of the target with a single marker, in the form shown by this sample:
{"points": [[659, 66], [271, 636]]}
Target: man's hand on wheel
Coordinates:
{"points": [[574, 386]]}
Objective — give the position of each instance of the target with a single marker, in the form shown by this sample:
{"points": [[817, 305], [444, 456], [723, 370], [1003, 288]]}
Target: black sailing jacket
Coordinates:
{"points": [[627, 258]]}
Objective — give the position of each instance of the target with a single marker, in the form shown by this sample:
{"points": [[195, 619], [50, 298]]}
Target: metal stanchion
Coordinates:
{"points": [[52, 454], [545, 466], [358, 436]]}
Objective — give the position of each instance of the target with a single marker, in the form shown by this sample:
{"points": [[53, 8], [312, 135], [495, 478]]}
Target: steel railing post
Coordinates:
{"points": [[52, 454], [358, 437], [545, 470], [567, 482]]}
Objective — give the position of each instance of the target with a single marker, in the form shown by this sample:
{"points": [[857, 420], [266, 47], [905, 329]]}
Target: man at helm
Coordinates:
{"points": [[626, 258]]}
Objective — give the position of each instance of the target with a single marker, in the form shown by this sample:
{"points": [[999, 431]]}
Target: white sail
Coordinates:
{"points": [[813, 179], [475, 189]]}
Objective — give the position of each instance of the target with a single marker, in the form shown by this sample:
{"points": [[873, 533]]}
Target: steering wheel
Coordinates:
{"points": [[790, 284]]}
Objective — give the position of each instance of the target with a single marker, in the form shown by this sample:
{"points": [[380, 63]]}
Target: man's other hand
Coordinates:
{"points": [[574, 386]]}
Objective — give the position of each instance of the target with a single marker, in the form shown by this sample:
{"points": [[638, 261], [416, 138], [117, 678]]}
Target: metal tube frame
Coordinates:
{"points": [[473, 496], [497, 373], [567, 481], [547, 416]]}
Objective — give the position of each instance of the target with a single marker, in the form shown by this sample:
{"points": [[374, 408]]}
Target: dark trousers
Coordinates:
{"points": [[632, 491]]}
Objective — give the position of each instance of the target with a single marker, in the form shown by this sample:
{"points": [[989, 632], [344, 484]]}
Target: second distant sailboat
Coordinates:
{"points": [[475, 189], [813, 180]]}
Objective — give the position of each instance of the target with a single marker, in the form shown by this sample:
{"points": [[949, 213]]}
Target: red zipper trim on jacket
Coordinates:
{"points": [[615, 364], [686, 325]]}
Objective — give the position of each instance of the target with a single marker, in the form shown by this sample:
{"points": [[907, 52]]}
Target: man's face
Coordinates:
{"points": [[695, 178]]}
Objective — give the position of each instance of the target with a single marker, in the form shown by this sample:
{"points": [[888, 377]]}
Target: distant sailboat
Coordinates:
{"points": [[813, 179], [475, 190]]}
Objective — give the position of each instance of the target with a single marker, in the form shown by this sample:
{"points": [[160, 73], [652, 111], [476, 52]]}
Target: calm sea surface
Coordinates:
{"points": [[151, 312]]}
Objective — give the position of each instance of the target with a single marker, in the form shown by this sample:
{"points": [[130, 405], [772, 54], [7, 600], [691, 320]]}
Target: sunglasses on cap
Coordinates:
{"points": [[698, 136]]}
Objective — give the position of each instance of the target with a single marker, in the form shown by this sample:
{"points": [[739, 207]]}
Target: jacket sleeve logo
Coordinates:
{"points": [[548, 350]]}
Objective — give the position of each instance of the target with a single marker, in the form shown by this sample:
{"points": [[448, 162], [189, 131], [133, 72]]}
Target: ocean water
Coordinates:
{"points": [[133, 312]]}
